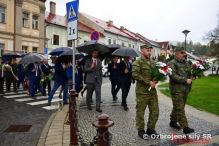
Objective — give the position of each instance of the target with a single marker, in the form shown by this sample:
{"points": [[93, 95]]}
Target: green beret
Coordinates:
{"points": [[179, 49], [146, 46]]}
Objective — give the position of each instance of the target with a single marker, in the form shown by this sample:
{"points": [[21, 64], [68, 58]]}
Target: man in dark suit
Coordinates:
{"points": [[125, 79], [93, 79], [46, 70], [60, 79], [34, 77], [114, 77]]}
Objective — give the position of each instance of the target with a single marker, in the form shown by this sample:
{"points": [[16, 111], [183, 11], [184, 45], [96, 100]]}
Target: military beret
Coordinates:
{"points": [[146, 46], [179, 49]]}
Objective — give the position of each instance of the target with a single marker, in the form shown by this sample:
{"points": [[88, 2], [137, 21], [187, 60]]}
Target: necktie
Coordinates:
{"points": [[95, 63]]}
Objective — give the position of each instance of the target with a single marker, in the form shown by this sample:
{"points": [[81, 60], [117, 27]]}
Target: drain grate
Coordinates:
{"points": [[18, 128]]}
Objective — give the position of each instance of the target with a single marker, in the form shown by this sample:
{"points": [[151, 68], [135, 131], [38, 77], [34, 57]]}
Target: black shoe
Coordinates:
{"points": [[89, 108], [99, 110], [174, 125], [142, 134], [188, 130], [65, 103], [126, 108], [115, 98], [150, 132], [49, 104]]}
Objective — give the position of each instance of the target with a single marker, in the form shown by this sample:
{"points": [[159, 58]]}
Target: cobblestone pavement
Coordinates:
{"points": [[124, 132]]}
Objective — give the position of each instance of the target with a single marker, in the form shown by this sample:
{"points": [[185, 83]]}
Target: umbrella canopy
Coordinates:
{"points": [[125, 52], [8, 56], [31, 58], [89, 46], [67, 56], [58, 51]]}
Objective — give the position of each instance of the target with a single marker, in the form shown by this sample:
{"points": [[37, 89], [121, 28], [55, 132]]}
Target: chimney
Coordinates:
{"points": [[52, 7], [122, 28], [110, 23]]}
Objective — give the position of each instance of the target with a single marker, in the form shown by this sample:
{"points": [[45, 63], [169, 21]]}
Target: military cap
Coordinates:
{"points": [[179, 49], [147, 46]]}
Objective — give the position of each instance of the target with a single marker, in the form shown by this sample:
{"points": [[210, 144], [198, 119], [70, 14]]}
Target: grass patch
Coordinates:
{"points": [[204, 94]]}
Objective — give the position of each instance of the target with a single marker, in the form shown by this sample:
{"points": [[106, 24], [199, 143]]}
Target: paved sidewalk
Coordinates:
{"points": [[57, 133]]}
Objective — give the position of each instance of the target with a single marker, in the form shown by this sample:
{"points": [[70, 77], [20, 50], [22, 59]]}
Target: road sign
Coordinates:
{"points": [[73, 30], [95, 35], [72, 17], [45, 50], [72, 10]]}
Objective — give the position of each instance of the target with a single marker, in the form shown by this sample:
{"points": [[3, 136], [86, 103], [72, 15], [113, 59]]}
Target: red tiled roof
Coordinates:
{"points": [[61, 21], [106, 27], [55, 19]]}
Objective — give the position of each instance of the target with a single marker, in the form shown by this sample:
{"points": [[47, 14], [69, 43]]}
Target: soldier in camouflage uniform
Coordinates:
{"points": [[180, 85], [144, 97]]}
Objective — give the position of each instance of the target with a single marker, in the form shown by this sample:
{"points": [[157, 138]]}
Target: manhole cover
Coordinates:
{"points": [[18, 128]]}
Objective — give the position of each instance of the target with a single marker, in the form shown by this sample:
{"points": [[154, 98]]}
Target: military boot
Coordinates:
{"points": [[174, 125], [152, 133], [188, 130], [141, 134]]}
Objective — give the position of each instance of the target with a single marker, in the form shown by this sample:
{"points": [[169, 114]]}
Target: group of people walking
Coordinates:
{"points": [[33, 77], [122, 74]]}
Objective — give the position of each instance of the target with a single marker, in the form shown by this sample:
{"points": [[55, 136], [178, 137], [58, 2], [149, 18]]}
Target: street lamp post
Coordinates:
{"points": [[185, 32]]}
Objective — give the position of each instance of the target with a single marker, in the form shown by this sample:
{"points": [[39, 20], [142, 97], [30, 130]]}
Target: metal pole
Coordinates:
{"points": [[73, 67], [185, 42], [72, 118]]}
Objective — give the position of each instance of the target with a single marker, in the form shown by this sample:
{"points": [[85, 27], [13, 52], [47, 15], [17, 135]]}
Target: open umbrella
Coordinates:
{"points": [[125, 52], [58, 51], [89, 46], [9, 56], [67, 56], [31, 58]]}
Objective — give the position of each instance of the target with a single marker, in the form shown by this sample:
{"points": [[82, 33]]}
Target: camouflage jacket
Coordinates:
{"points": [[141, 72], [181, 72]]}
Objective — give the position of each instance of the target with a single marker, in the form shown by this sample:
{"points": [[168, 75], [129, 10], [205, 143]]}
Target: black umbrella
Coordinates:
{"points": [[67, 56], [125, 52], [89, 46], [58, 51], [9, 56], [31, 58]]}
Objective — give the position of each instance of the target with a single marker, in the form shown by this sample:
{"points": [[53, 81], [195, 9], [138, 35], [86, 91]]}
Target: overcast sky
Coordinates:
{"points": [[161, 20]]}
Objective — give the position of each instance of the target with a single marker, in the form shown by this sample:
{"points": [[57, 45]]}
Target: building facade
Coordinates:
{"points": [[22, 25]]}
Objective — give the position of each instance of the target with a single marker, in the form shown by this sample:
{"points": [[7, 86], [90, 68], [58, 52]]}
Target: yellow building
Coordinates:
{"points": [[22, 25]]}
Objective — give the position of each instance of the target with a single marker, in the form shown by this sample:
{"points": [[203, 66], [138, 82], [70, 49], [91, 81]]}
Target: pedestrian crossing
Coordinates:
{"points": [[40, 101]]}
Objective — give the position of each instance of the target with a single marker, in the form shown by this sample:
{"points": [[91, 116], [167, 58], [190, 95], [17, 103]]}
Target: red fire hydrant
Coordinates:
{"points": [[102, 124]]}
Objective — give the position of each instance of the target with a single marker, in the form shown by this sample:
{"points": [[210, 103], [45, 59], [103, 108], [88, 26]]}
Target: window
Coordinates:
{"points": [[25, 19], [25, 49], [34, 50], [109, 41], [2, 14], [130, 45], [114, 41], [35, 22], [69, 43], [55, 40], [1, 49], [133, 46], [123, 44]]}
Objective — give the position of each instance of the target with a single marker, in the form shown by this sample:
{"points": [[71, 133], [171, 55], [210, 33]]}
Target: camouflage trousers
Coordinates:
{"points": [[142, 101], [178, 111]]}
